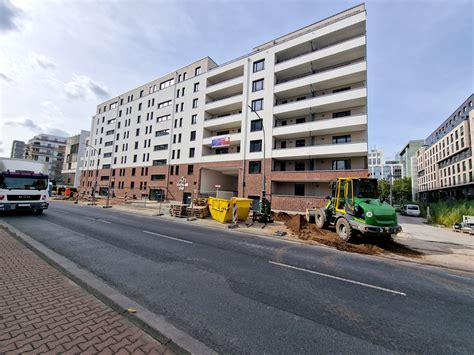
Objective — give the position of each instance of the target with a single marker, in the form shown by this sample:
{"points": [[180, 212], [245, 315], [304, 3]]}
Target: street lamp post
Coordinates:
{"points": [[264, 204]]}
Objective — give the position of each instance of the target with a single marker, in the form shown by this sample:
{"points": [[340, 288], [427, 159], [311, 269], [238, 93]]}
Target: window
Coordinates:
{"points": [[184, 76], [197, 71], [299, 189], [108, 133], [159, 162], [255, 167], [166, 83], [259, 65], [136, 145], [341, 139], [195, 103], [257, 105], [181, 122], [162, 132], [158, 177], [256, 125], [191, 152], [137, 132], [104, 178], [299, 166], [106, 166], [139, 117], [256, 146], [178, 153], [257, 85], [107, 155], [300, 143], [164, 104], [190, 169], [193, 119], [179, 138], [222, 151], [301, 120], [196, 87], [182, 106], [135, 158], [140, 106], [160, 147], [108, 144], [193, 136], [341, 164], [163, 118]]}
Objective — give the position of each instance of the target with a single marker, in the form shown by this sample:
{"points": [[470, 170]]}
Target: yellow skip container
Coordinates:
{"points": [[221, 209]]}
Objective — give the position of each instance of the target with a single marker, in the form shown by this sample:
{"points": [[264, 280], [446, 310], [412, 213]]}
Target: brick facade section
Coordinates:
{"points": [[42, 311], [248, 184]]}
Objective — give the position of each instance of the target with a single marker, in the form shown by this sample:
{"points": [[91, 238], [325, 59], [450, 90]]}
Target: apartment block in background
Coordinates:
{"points": [[48, 149], [18, 150], [444, 163], [407, 153], [192, 130], [72, 166]]}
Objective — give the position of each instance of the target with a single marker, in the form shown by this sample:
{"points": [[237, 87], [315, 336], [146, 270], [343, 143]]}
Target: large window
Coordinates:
{"points": [[192, 152], [300, 166], [162, 132], [341, 164], [300, 142], [257, 105], [341, 114], [256, 146], [193, 136], [161, 147], [257, 85], [299, 189], [341, 139], [259, 65], [166, 83], [255, 167], [256, 125], [159, 162], [158, 177]]}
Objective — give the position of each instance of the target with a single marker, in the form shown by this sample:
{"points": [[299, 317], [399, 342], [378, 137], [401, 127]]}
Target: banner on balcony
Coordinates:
{"points": [[223, 141]]}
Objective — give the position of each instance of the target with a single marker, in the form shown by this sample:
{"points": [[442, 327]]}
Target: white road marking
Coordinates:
{"points": [[460, 277], [167, 236], [340, 278], [104, 221]]}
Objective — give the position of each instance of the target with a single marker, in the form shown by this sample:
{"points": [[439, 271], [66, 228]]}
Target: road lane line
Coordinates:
{"points": [[339, 278], [104, 221], [98, 220], [167, 236]]}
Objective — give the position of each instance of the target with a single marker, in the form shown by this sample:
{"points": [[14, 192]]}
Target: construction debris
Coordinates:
{"points": [[198, 211], [178, 210]]}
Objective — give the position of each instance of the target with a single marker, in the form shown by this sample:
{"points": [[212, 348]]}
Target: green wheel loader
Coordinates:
{"points": [[355, 207]]}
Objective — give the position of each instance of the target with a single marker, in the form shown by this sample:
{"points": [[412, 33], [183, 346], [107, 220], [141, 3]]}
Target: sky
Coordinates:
{"points": [[59, 59]]}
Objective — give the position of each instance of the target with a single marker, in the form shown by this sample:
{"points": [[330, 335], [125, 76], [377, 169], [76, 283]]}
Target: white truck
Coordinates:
{"points": [[23, 185]]}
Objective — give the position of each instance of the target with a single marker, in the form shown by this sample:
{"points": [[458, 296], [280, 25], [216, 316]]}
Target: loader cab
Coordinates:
{"points": [[348, 189]]}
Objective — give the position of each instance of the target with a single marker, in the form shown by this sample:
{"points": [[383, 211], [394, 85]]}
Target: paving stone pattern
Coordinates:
{"points": [[42, 311]]}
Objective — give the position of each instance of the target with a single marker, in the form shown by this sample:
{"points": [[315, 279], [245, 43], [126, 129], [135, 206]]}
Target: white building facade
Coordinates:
{"points": [[190, 130], [72, 167]]}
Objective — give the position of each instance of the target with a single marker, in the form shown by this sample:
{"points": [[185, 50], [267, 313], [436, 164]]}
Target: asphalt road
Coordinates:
{"points": [[239, 293]]}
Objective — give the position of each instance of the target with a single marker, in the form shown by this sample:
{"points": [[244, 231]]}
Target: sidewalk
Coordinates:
{"points": [[41, 310]]}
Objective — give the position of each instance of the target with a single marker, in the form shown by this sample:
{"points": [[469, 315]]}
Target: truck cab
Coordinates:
{"points": [[23, 186]]}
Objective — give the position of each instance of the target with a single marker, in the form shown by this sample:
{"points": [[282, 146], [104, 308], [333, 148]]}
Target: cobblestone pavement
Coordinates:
{"points": [[42, 311]]}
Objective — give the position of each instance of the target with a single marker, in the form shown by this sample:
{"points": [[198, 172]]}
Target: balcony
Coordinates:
{"points": [[221, 74], [225, 87], [316, 175], [355, 43], [213, 158], [320, 103], [335, 75], [323, 126], [215, 123], [225, 104], [355, 148], [234, 139]]}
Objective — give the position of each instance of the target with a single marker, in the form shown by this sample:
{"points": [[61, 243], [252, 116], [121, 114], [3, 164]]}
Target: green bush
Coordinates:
{"points": [[448, 213]]}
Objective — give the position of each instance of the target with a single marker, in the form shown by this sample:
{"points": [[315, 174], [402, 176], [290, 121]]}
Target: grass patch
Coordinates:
{"points": [[448, 213]]}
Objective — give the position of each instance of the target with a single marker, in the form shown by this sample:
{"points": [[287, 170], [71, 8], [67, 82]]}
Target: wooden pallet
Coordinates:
{"points": [[198, 211], [178, 210], [201, 201], [465, 231]]}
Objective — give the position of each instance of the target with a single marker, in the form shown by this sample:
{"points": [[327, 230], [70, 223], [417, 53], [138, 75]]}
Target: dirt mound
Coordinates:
{"points": [[281, 216], [364, 245]]}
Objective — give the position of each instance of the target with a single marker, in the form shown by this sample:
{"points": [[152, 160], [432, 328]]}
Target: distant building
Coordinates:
{"points": [[18, 150], [444, 163], [75, 150], [48, 149], [376, 156], [408, 152], [381, 169]]}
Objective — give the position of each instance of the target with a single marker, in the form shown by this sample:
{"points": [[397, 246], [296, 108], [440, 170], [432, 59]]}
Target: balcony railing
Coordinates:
{"points": [[322, 119], [224, 81], [320, 48], [293, 99], [353, 141], [332, 67], [223, 98]]}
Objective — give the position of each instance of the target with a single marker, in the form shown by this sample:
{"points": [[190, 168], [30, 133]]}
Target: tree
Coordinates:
{"points": [[383, 187]]}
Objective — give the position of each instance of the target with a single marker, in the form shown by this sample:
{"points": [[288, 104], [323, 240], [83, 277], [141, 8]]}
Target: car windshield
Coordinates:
{"points": [[365, 188], [23, 182], [413, 208]]}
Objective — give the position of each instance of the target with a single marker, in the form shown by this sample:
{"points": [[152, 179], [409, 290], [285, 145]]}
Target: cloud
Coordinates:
{"points": [[83, 87], [43, 61], [8, 16], [6, 78], [28, 123]]}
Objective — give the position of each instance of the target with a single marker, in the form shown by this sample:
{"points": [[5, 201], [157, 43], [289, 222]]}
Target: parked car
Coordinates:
{"points": [[398, 208], [410, 210]]}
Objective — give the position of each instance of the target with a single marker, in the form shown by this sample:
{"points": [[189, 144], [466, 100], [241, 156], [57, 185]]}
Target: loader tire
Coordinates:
{"points": [[344, 229], [321, 218]]}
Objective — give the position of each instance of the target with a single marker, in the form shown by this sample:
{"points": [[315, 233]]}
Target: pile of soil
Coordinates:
{"points": [[281, 216], [302, 230]]}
